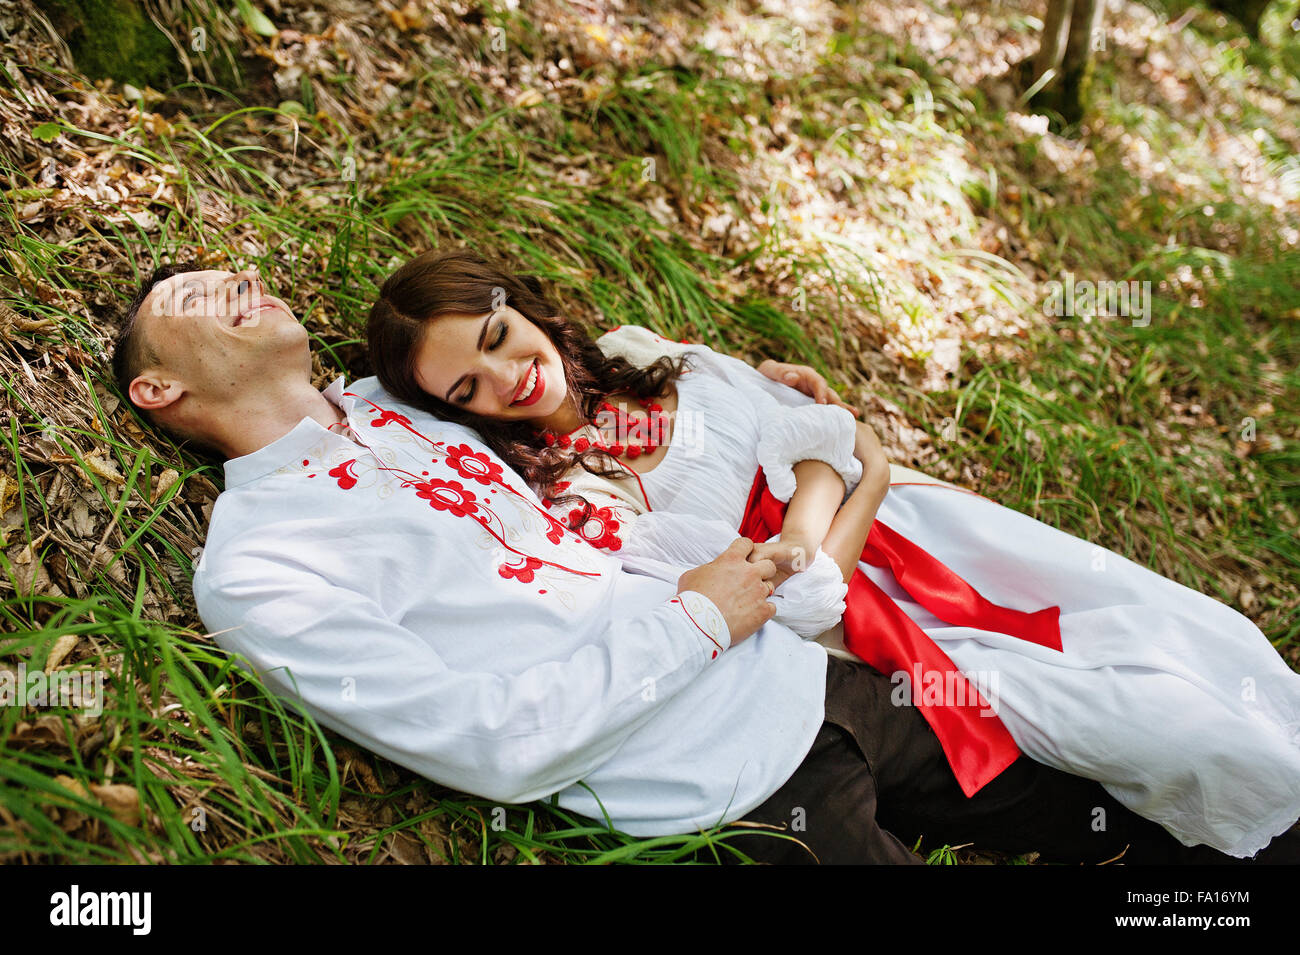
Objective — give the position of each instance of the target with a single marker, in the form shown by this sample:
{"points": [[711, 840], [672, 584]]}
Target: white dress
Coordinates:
{"points": [[1176, 703]]}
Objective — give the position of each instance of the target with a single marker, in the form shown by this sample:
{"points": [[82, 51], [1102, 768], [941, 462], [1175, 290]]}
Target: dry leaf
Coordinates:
{"points": [[8, 493], [62, 647], [45, 731], [79, 521], [405, 849], [74, 786], [164, 483], [120, 799], [103, 468]]}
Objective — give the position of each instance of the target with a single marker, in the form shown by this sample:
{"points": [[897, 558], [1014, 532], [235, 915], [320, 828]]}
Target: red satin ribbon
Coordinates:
{"points": [[975, 741]]}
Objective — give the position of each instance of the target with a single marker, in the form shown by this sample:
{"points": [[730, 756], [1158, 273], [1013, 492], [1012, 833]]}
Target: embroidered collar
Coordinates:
{"points": [[306, 434]]}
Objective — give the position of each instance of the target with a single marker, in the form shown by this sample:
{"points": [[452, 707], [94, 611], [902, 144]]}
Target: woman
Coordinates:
{"points": [[1012, 636]]}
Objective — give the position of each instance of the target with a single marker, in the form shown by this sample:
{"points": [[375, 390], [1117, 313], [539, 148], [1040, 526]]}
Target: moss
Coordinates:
{"points": [[115, 38]]}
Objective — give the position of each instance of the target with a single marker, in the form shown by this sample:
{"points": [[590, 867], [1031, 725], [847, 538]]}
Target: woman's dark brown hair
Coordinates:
{"points": [[464, 282]]}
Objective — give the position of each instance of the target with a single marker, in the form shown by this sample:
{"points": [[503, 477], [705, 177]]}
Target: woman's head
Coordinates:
{"points": [[469, 340]]}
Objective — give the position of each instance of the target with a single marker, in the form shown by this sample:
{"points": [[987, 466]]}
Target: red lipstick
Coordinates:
{"points": [[538, 388]]}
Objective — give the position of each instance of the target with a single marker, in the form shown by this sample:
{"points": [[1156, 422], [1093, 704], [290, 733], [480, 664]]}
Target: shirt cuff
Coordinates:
{"points": [[824, 433], [706, 618]]}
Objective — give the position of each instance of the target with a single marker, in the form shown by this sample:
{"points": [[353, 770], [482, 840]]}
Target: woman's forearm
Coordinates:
{"points": [[849, 529], [809, 516]]}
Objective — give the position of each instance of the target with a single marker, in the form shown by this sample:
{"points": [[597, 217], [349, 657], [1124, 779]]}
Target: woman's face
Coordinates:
{"points": [[499, 365]]}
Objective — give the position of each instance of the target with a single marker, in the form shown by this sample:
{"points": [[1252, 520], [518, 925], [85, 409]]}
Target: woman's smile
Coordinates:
{"points": [[532, 388]]}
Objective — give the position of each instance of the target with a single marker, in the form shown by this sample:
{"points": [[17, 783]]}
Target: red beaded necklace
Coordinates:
{"points": [[648, 432]]}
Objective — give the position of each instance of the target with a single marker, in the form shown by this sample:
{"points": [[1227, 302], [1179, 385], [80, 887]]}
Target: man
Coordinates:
{"points": [[385, 573]]}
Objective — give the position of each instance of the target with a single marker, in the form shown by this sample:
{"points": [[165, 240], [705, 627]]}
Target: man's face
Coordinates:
{"points": [[215, 332]]}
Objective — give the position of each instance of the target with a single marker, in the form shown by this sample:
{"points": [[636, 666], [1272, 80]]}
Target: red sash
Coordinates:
{"points": [[876, 629]]}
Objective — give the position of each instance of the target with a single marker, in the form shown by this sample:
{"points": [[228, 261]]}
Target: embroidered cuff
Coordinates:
{"points": [[707, 619], [824, 433]]}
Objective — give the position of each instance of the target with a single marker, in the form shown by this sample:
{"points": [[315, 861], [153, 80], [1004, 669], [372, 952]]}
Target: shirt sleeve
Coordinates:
{"points": [[513, 737], [795, 428], [814, 432]]}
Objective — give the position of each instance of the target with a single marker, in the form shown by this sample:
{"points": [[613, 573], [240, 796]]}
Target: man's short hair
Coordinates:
{"points": [[133, 352]]}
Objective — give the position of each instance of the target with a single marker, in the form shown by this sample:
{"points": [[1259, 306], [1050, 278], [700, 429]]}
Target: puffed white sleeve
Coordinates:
{"points": [[335, 654], [795, 428], [810, 433], [665, 546]]}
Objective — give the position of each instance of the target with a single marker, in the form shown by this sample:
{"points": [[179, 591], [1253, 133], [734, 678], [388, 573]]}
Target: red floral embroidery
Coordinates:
{"points": [[474, 465], [600, 529], [451, 496], [386, 416], [522, 574], [447, 496], [347, 480], [555, 532]]}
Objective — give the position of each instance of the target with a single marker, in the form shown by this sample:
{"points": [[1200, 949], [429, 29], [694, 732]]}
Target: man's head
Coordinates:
{"points": [[194, 341]]}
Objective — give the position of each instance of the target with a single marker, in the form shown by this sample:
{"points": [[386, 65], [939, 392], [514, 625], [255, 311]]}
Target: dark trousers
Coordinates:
{"points": [[876, 781]]}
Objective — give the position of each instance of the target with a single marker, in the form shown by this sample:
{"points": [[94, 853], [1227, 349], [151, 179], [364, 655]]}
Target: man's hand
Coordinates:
{"points": [[805, 379], [738, 587]]}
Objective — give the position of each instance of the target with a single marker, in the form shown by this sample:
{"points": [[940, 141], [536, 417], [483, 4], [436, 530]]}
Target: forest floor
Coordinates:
{"points": [[854, 187]]}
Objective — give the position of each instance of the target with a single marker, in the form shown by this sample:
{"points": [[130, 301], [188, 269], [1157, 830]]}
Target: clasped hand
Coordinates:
{"points": [[745, 575]]}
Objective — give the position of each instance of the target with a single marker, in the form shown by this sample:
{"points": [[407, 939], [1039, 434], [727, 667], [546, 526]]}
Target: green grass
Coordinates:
{"points": [[1086, 425]]}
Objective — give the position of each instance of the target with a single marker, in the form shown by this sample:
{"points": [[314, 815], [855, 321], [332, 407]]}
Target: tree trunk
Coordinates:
{"points": [[115, 38], [1076, 67], [1052, 48]]}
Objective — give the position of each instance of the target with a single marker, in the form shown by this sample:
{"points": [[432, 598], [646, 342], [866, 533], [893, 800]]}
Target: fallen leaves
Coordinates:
{"points": [[164, 483], [103, 468], [119, 799], [62, 647]]}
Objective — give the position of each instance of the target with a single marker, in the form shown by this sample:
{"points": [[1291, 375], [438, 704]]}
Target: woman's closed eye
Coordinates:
{"points": [[498, 337]]}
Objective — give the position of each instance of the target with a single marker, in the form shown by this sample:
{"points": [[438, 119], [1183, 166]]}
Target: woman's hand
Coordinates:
{"points": [[805, 379], [790, 557], [868, 449]]}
